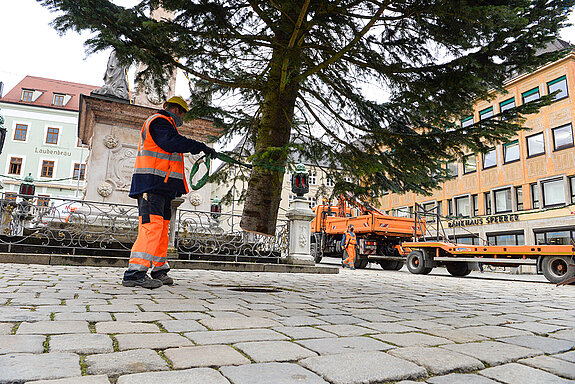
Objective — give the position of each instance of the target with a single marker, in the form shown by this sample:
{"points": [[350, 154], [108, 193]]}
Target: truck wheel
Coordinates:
{"points": [[416, 263], [557, 268], [360, 263], [458, 268], [391, 265], [315, 253], [399, 265]]}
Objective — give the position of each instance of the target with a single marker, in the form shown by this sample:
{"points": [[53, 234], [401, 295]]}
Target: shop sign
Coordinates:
{"points": [[483, 220]]}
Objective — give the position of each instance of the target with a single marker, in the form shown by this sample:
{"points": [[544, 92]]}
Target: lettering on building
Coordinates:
{"points": [[483, 220], [56, 152]]}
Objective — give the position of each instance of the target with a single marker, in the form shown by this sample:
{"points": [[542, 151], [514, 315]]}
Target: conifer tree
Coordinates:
{"points": [[301, 69]]}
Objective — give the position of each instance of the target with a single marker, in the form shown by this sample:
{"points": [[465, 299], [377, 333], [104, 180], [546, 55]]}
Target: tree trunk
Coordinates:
{"points": [[263, 195]]}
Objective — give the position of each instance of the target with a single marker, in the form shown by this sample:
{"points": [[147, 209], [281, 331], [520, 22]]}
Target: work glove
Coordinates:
{"points": [[210, 151]]}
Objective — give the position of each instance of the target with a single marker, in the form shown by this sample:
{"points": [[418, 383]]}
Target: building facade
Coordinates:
{"points": [[520, 192], [41, 117]]}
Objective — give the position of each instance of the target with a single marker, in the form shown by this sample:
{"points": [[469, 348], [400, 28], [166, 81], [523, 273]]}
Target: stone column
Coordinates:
{"points": [[172, 251], [299, 216]]}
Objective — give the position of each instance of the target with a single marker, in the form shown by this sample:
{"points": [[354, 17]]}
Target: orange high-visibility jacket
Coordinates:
{"points": [[154, 163]]}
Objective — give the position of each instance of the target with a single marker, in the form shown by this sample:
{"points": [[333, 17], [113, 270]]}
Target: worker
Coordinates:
{"points": [[158, 178], [348, 242]]}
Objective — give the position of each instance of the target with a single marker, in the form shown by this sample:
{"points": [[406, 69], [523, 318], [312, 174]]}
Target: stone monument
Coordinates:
{"points": [[115, 80]]}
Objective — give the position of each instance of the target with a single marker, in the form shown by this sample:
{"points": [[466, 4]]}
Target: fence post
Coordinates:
{"points": [[172, 251], [299, 216]]}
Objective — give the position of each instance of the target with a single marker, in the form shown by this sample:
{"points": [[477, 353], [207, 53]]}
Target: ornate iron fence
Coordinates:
{"points": [[79, 227]]}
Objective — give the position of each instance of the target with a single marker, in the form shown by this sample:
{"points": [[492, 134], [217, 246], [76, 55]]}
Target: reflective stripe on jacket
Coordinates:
{"points": [[348, 238], [153, 161]]}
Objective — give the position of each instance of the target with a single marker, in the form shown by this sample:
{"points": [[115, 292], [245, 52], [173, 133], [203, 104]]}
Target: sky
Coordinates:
{"points": [[30, 46]]}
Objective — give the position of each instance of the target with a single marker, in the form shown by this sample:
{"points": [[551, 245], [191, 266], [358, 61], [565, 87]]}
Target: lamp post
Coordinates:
{"points": [[300, 181], [27, 187], [216, 208]]}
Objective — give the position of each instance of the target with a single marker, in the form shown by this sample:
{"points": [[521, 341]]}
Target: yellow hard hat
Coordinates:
{"points": [[179, 100]]}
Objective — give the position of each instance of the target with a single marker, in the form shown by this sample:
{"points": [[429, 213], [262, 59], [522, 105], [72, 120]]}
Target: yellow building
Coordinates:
{"points": [[521, 192]]}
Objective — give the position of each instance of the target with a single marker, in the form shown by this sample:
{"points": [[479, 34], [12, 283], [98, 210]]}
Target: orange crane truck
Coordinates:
{"points": [[379, 236]]}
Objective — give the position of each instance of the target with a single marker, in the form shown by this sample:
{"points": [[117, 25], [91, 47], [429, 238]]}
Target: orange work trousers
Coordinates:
{"points": [[350, 249], [151, 246]]}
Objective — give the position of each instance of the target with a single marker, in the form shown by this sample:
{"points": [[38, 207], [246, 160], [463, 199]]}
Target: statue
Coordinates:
{"points": [[115, 81]]}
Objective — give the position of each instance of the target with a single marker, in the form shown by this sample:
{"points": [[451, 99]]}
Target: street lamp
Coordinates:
{"points": [[216, 208], [3, 132], [299, 181], [27, 187]]}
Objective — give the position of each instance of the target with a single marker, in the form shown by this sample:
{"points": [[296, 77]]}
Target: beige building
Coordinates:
{"points": [[520, 192]]}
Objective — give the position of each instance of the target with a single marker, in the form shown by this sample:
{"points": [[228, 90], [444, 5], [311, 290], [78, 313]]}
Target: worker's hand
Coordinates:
{"points": [[210, 151]]}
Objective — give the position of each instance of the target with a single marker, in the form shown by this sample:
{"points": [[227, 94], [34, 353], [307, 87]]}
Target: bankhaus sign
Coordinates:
{"points": [[483, 220]]}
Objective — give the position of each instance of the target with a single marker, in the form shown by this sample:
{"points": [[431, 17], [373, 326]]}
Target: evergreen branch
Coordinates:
{"points": [[291, 43], [262, 15]]}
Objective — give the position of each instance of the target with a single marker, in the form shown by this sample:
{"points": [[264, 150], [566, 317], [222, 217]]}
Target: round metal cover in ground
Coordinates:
{"points": [[256, 289]]}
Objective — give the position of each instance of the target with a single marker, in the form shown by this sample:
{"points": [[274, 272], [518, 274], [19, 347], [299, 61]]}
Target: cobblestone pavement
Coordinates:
{"points": [[79, 325]]}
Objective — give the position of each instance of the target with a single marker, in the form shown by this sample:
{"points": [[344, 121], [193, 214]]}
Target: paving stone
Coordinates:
{"points": [[568, 334], [18, 315], [567, 356], [205, 356], [388, 327], [340, 319], [268, 351], [196, 375], [83, 343], [458, 378], [21, 344], [266, 373], [363, 367], [99, 379], [189, 315], [299, 321], [536, 327], [234, 336], [438, 361], [6, 328], [303, 332], [151, 340], [548, 345], [347, 329], [175, 307], [92, 317], [115, 308], [238, 323], [552, 365], [411, 339], [330, 346], [182, 325], [111, 327], [493, 352], [20, 367], [142, 316], [495, 332], [53, 327], [457, 335], [520, 374], [423, 324], [120, 363]]}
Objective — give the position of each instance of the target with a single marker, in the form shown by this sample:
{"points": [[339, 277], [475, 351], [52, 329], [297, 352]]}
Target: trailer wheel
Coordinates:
{"points": [[458, 269], [557, 268], [416, 263], [399, 265], [360, 263], [391, 265]]}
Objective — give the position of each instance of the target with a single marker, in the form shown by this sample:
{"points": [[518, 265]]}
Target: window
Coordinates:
{"points": [[534, 195], [530, 95], [430, 209], [20, 132], [572, 182], [486, 113], [467, 122], [450, 207], [468, 240], [43, 201], [507, 104], [52, 135], [462, 207], [503, 200], [79, 171], [553, 192], [535, 145], [47, 168], [507, 239], [475, 201], [555, 237], [15, 166], [469, 164], [58, 100], [558, 85], [329, 182], [511, 152], [452, 170], [27, 95], [487, 200], [79, 143], [403, 212], [562, 137], [490, 159], [519, 198]]}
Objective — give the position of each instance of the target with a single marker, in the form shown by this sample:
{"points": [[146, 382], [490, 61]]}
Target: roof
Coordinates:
{"points": [[43, 91], [554, 46]]}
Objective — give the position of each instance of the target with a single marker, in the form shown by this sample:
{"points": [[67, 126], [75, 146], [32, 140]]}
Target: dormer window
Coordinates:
{"points": [[27, 95], [58, 100]]}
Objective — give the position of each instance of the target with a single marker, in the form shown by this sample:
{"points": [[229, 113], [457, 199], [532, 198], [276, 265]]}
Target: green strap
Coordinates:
{"points": [[204, 179]]}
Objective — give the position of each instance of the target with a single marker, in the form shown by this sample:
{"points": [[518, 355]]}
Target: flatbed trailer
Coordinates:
{"points": [[556, 262]]}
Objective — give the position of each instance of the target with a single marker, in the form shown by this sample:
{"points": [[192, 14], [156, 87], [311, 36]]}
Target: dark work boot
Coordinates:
{"points": [[163, 277], [144, 282]]}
